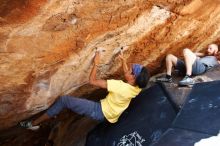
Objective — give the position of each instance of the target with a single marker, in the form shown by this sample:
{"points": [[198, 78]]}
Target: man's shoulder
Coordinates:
{"points": [[115, 80]]}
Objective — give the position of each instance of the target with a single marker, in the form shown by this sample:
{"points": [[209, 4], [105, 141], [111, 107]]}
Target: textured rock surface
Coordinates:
{"points": [[46, 47], [67, 129]]}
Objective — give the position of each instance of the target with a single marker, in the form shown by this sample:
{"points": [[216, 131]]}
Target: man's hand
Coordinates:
{"points": [[97, 58], [121, 56]]}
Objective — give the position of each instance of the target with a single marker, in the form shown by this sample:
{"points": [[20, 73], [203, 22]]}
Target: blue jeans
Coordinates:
{"points": [[80, 106]]}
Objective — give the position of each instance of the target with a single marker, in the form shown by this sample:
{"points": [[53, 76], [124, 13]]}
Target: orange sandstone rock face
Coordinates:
{"points": [[47, 47]]}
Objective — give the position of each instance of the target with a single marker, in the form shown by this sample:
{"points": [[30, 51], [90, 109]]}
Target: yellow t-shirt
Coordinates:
{"points": [[118, 99]]}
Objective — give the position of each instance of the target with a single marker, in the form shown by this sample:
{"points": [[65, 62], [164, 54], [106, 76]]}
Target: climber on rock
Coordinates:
{"points": [[109, 108], [193, 64]]}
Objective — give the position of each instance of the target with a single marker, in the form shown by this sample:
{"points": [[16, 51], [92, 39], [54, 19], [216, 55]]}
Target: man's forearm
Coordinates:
{"points": [[125, 67], [198, 54], [92, 76]]}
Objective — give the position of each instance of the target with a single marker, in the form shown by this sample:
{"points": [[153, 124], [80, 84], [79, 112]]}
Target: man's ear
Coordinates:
{"points": [[127, 76]]}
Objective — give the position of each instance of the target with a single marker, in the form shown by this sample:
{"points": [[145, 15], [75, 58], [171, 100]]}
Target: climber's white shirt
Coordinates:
{"points": [[211, 141]]}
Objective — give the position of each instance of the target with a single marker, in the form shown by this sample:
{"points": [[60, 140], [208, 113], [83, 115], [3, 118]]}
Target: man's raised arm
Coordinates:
{"points": [[124, 66], [92, 78]]}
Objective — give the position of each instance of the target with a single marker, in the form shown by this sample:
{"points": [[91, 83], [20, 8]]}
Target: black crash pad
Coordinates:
{"points": [[179, 137], [147, 117], [201, 112], [177, 95]]}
